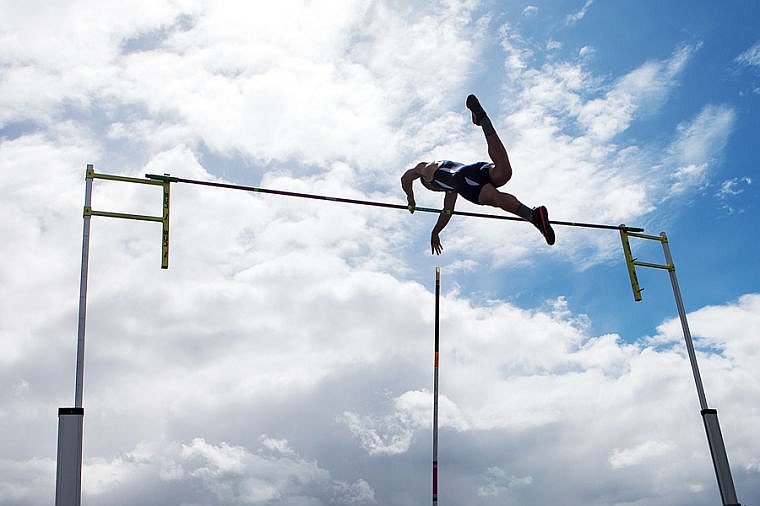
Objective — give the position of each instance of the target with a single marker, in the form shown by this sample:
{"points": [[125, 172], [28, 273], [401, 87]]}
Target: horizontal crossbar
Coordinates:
{"points": [[379, 204]]}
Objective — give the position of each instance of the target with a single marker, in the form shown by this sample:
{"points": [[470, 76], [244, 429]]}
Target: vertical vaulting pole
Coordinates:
{"points": [[435, 387]]}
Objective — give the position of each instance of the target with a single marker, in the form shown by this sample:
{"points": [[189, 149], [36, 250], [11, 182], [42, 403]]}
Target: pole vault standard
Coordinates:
{"points": [[709, 416], [69, 459], [68, 482], [435, 386]]}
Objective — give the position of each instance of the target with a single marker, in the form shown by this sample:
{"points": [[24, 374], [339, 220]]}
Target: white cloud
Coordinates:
{"points": [[571, 19], [517, 51], [730, 189], [586, 52], [499, 482], [285, 356], [547, 402], [751, 56], [733, 187], [626, 457], [507, 373], [699, 145], [642, 89], [393, 432], [728, 332], [27, 481], [224, 76], [389, 435], [273, 474], [562, 125]]}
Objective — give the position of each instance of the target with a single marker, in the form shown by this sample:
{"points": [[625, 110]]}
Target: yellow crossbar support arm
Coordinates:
{"points": [[163, 219], [654, 266], [126, 216], [91, 174], [632, 263]]}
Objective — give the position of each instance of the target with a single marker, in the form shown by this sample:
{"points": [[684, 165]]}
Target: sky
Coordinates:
{"points": [[286, 355]]}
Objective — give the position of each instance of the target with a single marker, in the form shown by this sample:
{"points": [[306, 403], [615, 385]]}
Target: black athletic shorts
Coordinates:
{"points": [[466, 180]]}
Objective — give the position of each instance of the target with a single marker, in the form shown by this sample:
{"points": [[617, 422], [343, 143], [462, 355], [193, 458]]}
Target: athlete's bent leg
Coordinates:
{"points": [[502, 170]]}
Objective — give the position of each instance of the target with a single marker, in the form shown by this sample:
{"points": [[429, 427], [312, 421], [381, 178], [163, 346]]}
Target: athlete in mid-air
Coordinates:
{"points": [[477, 182]]}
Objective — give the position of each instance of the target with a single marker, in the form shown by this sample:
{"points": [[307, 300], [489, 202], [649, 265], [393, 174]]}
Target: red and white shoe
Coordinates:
{"points": [[542, 223]]}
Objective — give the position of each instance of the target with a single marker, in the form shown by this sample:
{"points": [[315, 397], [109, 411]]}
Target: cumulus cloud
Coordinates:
{"points": [[272, 474], [595, 385], [285, 356], [226, 77], [196, 347], [499, 482], [563, 125], [639, 454], [643, 88]]}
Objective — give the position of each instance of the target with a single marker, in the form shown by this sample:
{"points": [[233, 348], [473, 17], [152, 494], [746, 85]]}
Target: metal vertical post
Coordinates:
{"points": [[709, 416], [68, 489], [435, 386], [684, 322], [83, 288], [68, 479]]}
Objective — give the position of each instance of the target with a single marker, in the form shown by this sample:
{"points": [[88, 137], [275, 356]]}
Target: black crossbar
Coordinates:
{"points": [[380, 204]]}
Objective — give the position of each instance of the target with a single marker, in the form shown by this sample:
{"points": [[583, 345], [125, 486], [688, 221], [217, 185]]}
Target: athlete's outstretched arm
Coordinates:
{"points": [[443, 219], [406, 184]]}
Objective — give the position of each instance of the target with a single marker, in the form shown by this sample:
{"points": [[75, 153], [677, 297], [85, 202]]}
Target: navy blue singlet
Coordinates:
{"points": [[466, 180]]}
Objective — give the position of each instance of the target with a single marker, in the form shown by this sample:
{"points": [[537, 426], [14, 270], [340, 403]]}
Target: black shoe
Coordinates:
{"points": [[478, 113], [541, 222]]}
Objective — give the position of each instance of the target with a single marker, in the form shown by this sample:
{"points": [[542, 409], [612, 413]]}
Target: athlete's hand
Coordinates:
{"points": [[435, 244], [411, 203]]}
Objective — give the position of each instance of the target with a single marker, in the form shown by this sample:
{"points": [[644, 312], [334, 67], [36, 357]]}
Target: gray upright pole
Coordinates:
{"points": [[83, 292], [68, 489], [709, 416]]}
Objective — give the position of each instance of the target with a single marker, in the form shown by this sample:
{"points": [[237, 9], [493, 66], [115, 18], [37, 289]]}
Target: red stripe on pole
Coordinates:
{"points": [[435, 481]]}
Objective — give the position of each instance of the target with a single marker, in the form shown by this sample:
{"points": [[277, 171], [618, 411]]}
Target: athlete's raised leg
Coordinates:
{"points": [[502, 171]]}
